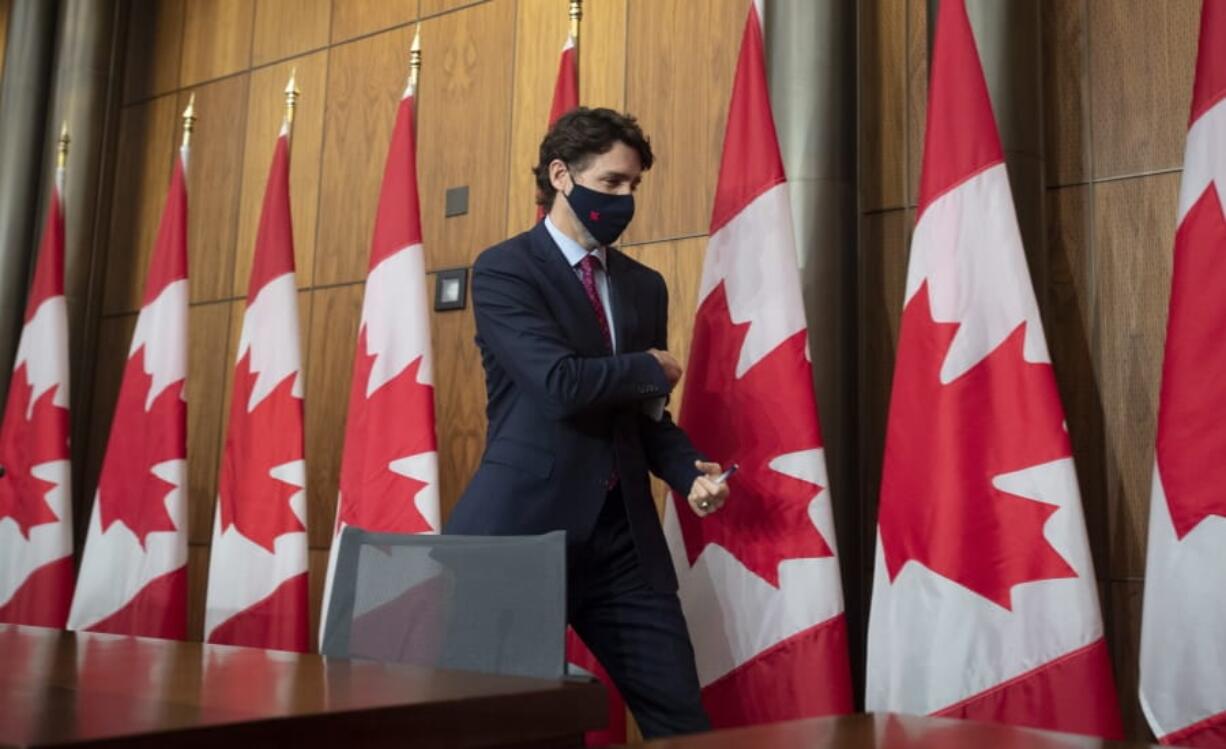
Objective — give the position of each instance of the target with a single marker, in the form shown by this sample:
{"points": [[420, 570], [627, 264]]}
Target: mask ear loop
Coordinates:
{"points": [[572, 181]]}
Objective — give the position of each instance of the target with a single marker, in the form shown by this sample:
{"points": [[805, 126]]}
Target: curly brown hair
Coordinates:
{"points": [[581, 134]]}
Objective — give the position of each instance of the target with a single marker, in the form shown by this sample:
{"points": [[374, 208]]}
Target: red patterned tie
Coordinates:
{"points": [[587, 270]]}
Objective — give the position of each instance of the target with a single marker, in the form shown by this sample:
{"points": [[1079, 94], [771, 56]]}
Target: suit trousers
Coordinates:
{"points": [[638, 634]]}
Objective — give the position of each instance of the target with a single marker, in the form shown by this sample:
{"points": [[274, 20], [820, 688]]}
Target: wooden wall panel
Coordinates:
{"points": [[465, 128], [602, 54], [1134, 225], [333, 337], [208, 371], [1066, 86], [917, 92], [459, 402], [884, 239], [687, 256], [1068, 317], [538, 23], [155, 36], [114, 339], [883, 104], [317, 569], [265, 113], [214, 181], [366, 79], [147, 134], [679, 73], [1125, 634], [1142, 59], [352, 18], [6, 7], [434, 7], [197, 587], [284, 28], [216, 39]]}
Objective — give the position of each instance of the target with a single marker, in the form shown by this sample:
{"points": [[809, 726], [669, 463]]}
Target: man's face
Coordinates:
{"points": [[617, 172]]}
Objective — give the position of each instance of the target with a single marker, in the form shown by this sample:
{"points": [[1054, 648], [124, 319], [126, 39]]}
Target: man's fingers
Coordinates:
{"points": [[706, 496], [703, 505]]}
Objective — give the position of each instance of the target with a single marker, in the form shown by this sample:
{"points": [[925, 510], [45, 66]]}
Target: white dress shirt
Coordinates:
{"points": [[574, 253]]}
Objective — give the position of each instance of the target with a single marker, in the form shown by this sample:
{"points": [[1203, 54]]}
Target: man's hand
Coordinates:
{"points": [[706, 496], [672, 369]]}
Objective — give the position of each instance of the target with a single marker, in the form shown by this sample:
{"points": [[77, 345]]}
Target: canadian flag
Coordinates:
{"points": [[1183, 651], [35, 497], [759, 580], [133, 578], [258, 565], [984, 603], [389, 469]]}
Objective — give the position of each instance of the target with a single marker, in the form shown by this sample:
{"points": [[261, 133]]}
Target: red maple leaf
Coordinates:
{"points": [[944, 446], [252, 499], [26, 443], [767, 412], [396, 421], [1191, 434], [128, 490]]}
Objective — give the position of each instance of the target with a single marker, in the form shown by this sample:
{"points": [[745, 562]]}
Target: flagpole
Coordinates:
{"points": [[576, 15], [292, 94], [415, 60], [61, 157], [189, 122]]}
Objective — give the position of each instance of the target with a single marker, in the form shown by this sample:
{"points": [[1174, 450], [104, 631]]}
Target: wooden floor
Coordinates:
{"points": [[62, 688]]}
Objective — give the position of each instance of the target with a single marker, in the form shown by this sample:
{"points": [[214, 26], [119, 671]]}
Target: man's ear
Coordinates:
{"points": [[559, 177]]}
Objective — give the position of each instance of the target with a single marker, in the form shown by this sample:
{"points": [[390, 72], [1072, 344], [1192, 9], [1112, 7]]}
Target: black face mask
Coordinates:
{"points": [[605, 216]]}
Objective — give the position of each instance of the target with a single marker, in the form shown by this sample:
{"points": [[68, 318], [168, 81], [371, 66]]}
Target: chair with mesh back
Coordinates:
{"points": [[494, 604]]}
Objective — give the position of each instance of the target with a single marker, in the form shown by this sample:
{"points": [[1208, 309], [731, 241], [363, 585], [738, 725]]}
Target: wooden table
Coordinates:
{"points": [[63, 688], [886, 731]]}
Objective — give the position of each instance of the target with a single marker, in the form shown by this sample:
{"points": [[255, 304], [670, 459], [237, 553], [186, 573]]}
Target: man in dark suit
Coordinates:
{"points": [[573, 336]]}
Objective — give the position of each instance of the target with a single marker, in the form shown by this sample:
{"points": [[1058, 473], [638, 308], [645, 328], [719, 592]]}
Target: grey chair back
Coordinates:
{"points": [[493, 604]]}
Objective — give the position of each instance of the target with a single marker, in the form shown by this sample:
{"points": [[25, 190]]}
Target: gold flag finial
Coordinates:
{"points": [[61, 152], [189, 120], [291, 96], [576, 15], [415, 58]]}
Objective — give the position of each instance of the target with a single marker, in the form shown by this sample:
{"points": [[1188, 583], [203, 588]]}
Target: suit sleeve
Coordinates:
{"points": [[670, 453], [515, 323]]}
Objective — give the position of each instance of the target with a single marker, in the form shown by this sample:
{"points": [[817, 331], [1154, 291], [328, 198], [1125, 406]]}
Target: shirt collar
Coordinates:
{"points": [[572, 250]]}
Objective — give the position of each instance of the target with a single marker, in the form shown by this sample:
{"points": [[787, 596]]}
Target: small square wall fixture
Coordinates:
{"points": [[450, 289]]}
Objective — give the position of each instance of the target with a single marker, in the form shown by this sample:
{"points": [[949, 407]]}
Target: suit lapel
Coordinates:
{"points": [[580, 319], [625, 309]]}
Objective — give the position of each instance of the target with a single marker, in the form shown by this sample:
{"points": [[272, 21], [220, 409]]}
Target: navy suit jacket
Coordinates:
{"points": [[563, 413]]}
